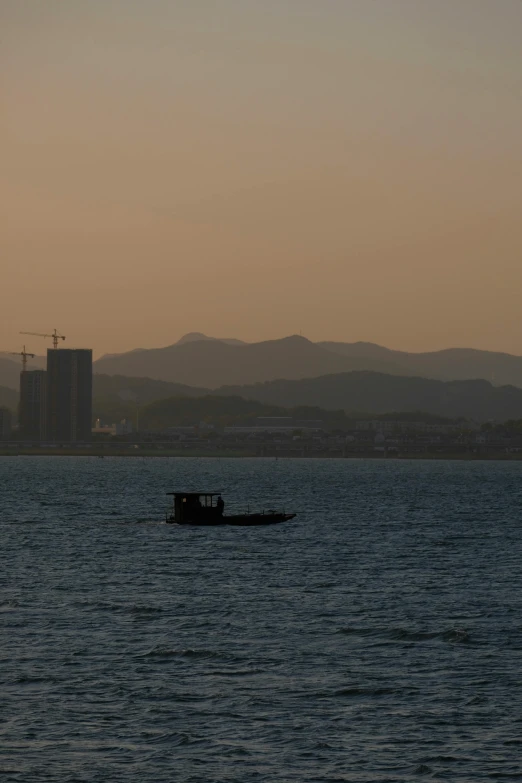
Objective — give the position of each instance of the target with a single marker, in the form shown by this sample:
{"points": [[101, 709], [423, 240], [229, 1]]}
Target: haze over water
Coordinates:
{"points": [[376, 638]]}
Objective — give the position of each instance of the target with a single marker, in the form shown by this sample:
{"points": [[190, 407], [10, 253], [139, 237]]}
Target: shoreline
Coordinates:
{"points": [[177, 453]]}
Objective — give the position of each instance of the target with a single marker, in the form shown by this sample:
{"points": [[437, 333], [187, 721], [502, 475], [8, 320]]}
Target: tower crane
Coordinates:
{"points": [[24, 356], [55, 336]]}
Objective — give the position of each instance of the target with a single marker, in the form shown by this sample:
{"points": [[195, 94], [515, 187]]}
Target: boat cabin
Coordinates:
{"points": [[196, 506]]}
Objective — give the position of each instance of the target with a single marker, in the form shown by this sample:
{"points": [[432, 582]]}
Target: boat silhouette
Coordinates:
{"points": [[207, 509]]}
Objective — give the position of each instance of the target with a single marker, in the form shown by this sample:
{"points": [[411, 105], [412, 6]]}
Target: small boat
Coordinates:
{"points": [[206, 508]]}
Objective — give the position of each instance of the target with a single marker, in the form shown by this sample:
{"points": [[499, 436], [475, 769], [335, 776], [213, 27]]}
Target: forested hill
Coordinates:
{"points": [[223, 411], [119, 397], [368, 391], [355, 393]]}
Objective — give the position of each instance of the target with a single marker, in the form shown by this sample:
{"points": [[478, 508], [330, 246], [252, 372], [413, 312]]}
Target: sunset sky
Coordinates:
{"points": [[348, 169]]}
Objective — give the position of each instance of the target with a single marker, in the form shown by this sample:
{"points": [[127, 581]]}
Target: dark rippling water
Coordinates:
{"points": [[376, 638]]}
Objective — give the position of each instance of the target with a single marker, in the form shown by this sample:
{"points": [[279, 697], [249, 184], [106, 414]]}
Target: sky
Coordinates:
{"points": [[345, 169]]}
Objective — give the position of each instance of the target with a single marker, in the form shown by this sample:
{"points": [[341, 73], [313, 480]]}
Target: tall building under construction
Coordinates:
{"points": [[69, 395], [33, 405]]}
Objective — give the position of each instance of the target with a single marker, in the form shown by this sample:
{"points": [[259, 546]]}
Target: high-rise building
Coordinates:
{"points": [[5, 423], [69, 395], [33, 405]]}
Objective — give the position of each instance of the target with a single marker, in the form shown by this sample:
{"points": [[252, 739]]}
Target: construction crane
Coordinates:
{"points": [[24, 356], [55, 336]]}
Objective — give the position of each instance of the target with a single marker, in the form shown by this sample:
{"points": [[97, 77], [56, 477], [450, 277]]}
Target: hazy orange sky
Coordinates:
{"points": [[348, 169]]}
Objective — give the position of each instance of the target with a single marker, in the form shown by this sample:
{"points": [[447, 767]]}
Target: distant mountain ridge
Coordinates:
{"points": [[140, 391], [378, 393], [190, 337], [194, 337], [449, 364], [197, 360], [368, 393], [362, 392], [213, 363]]}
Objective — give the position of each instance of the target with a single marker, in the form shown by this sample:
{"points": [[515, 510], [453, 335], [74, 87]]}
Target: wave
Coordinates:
{"points": [[364, 691], [144, 609], [28, 679], [107, 606], [451, 635], [352, 691], [171, 652]]}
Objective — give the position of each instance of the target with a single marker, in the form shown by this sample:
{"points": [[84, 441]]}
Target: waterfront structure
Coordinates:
{"points": [[33, 405], [120, 429], [6, 421], [69, 395]]}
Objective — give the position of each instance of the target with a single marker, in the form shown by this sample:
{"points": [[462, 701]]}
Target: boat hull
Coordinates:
{"points": [[238, 520]]}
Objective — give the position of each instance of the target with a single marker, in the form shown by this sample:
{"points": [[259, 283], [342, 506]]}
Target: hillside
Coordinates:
{"points": [[379, 393], [197, 360], [141, 390], [229, 411], [116, 397], [376, 393], [190, 337], [212, 363], [451, 364]]}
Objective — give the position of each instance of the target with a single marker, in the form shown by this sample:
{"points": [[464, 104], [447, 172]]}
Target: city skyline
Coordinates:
{"points": [[348, 170]]}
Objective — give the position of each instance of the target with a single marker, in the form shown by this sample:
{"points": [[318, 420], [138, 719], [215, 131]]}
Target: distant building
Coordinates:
{"points": [[123, 427], [277, 424], [389, 425], [69, 395], [102, 429], [6, 421], [33, 405]]}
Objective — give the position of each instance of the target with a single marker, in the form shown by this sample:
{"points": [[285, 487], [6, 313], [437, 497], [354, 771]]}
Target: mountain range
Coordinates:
{"points": [[213, 363], [198, 360], [450, 364], [366, 393], [294, 371], [361, 394]]}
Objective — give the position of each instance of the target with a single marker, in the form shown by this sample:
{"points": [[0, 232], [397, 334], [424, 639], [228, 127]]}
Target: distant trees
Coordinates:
{"points": [[226, 411]]}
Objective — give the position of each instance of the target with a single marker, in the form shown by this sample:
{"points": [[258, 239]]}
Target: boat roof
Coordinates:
{"points": [[194, 494]]}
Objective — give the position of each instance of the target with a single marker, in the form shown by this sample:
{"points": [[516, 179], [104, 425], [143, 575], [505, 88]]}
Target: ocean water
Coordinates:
{"points": [[378, 637]]}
